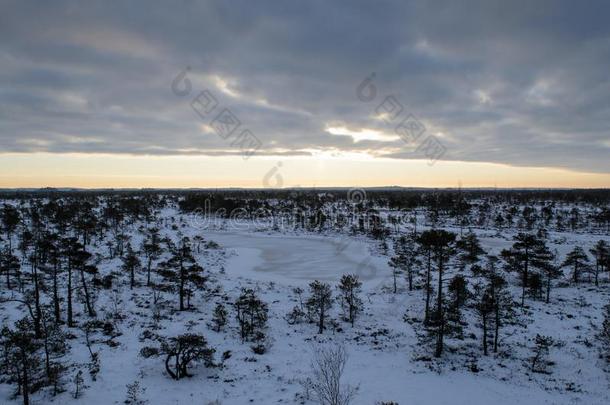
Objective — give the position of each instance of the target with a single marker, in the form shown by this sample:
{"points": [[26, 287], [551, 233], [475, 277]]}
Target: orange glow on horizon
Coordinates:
{"points": [[125, 171]]}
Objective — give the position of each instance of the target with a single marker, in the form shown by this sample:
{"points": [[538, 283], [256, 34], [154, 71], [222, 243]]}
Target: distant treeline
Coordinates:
{"points": [[395, 198]]}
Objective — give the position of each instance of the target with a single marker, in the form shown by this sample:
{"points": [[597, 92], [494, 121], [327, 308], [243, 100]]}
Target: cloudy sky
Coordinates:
{"points": [[103, 94]]}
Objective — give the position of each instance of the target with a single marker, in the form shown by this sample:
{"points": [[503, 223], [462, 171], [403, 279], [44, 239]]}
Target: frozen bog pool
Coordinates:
{"points": [[299, 259]]}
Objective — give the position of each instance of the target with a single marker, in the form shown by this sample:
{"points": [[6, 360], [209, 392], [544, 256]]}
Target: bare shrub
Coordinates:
{"points": [[327, 368]]}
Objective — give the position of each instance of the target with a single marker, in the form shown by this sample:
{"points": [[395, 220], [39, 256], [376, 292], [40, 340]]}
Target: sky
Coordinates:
{"points": [[304, 93]]}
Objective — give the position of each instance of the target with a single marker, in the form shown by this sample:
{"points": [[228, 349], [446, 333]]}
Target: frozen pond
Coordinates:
{"points": [[295, 258]]}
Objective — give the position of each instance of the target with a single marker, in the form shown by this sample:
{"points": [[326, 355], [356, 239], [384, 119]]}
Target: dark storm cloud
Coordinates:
{"points": [[524, 83]]}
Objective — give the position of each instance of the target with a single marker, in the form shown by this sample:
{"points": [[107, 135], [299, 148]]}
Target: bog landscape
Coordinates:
{"points": [[234, 202], [298, 296]]}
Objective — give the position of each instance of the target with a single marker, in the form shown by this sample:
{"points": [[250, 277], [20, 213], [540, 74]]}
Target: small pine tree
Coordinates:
{"points": [[252, 314], [20, 358], [469, 247], [131, 263], [134, 394], [56, 371], [298, 291], [578, 260], [540, 359], [94, 366], [79, 384], [522, 256], [183, 272], [220, 318], [600, 251], [551, 270], [405, 260], [485, 309], [151, 247], [458, 287], [319, 302], [351, 304], [296, 316], [181, 350]]}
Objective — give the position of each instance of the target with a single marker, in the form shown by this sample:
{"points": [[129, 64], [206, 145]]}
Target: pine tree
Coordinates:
{"points": [[134, 394], [77, 260], [502, 300], [485, 307], [458, 290], [152, 250], [443, 247], [349, 290], [252, 315], [91, 270], [458, 287], [405, 259], [54, 345], [520, 256], [10, 218], [181, 350], [131, 263], [79, 384], [10, 265], [540, 360], [470, 250], [183, 271], [425, 242], [21, 358], [600, 251], [55, 270], [319, 302], [397, 263], [578, 260], [547, 263], [220, 317], [85, 222]]}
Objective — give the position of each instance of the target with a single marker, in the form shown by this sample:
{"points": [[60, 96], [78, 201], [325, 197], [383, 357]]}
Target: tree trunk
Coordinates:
{"points": [[321, 323], [8, 277], [56, 309], [181, 292], [70, 319], [36, 300], [47, 361], [168, 368], [25, 386], [485, 335], [427, 314], [497, 326], [525, 277], [439, 309], [90, 310], [351, 308]]}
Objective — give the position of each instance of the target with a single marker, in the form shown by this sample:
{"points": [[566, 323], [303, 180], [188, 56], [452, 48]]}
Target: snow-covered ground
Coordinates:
{"points": [[385, 355]]}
